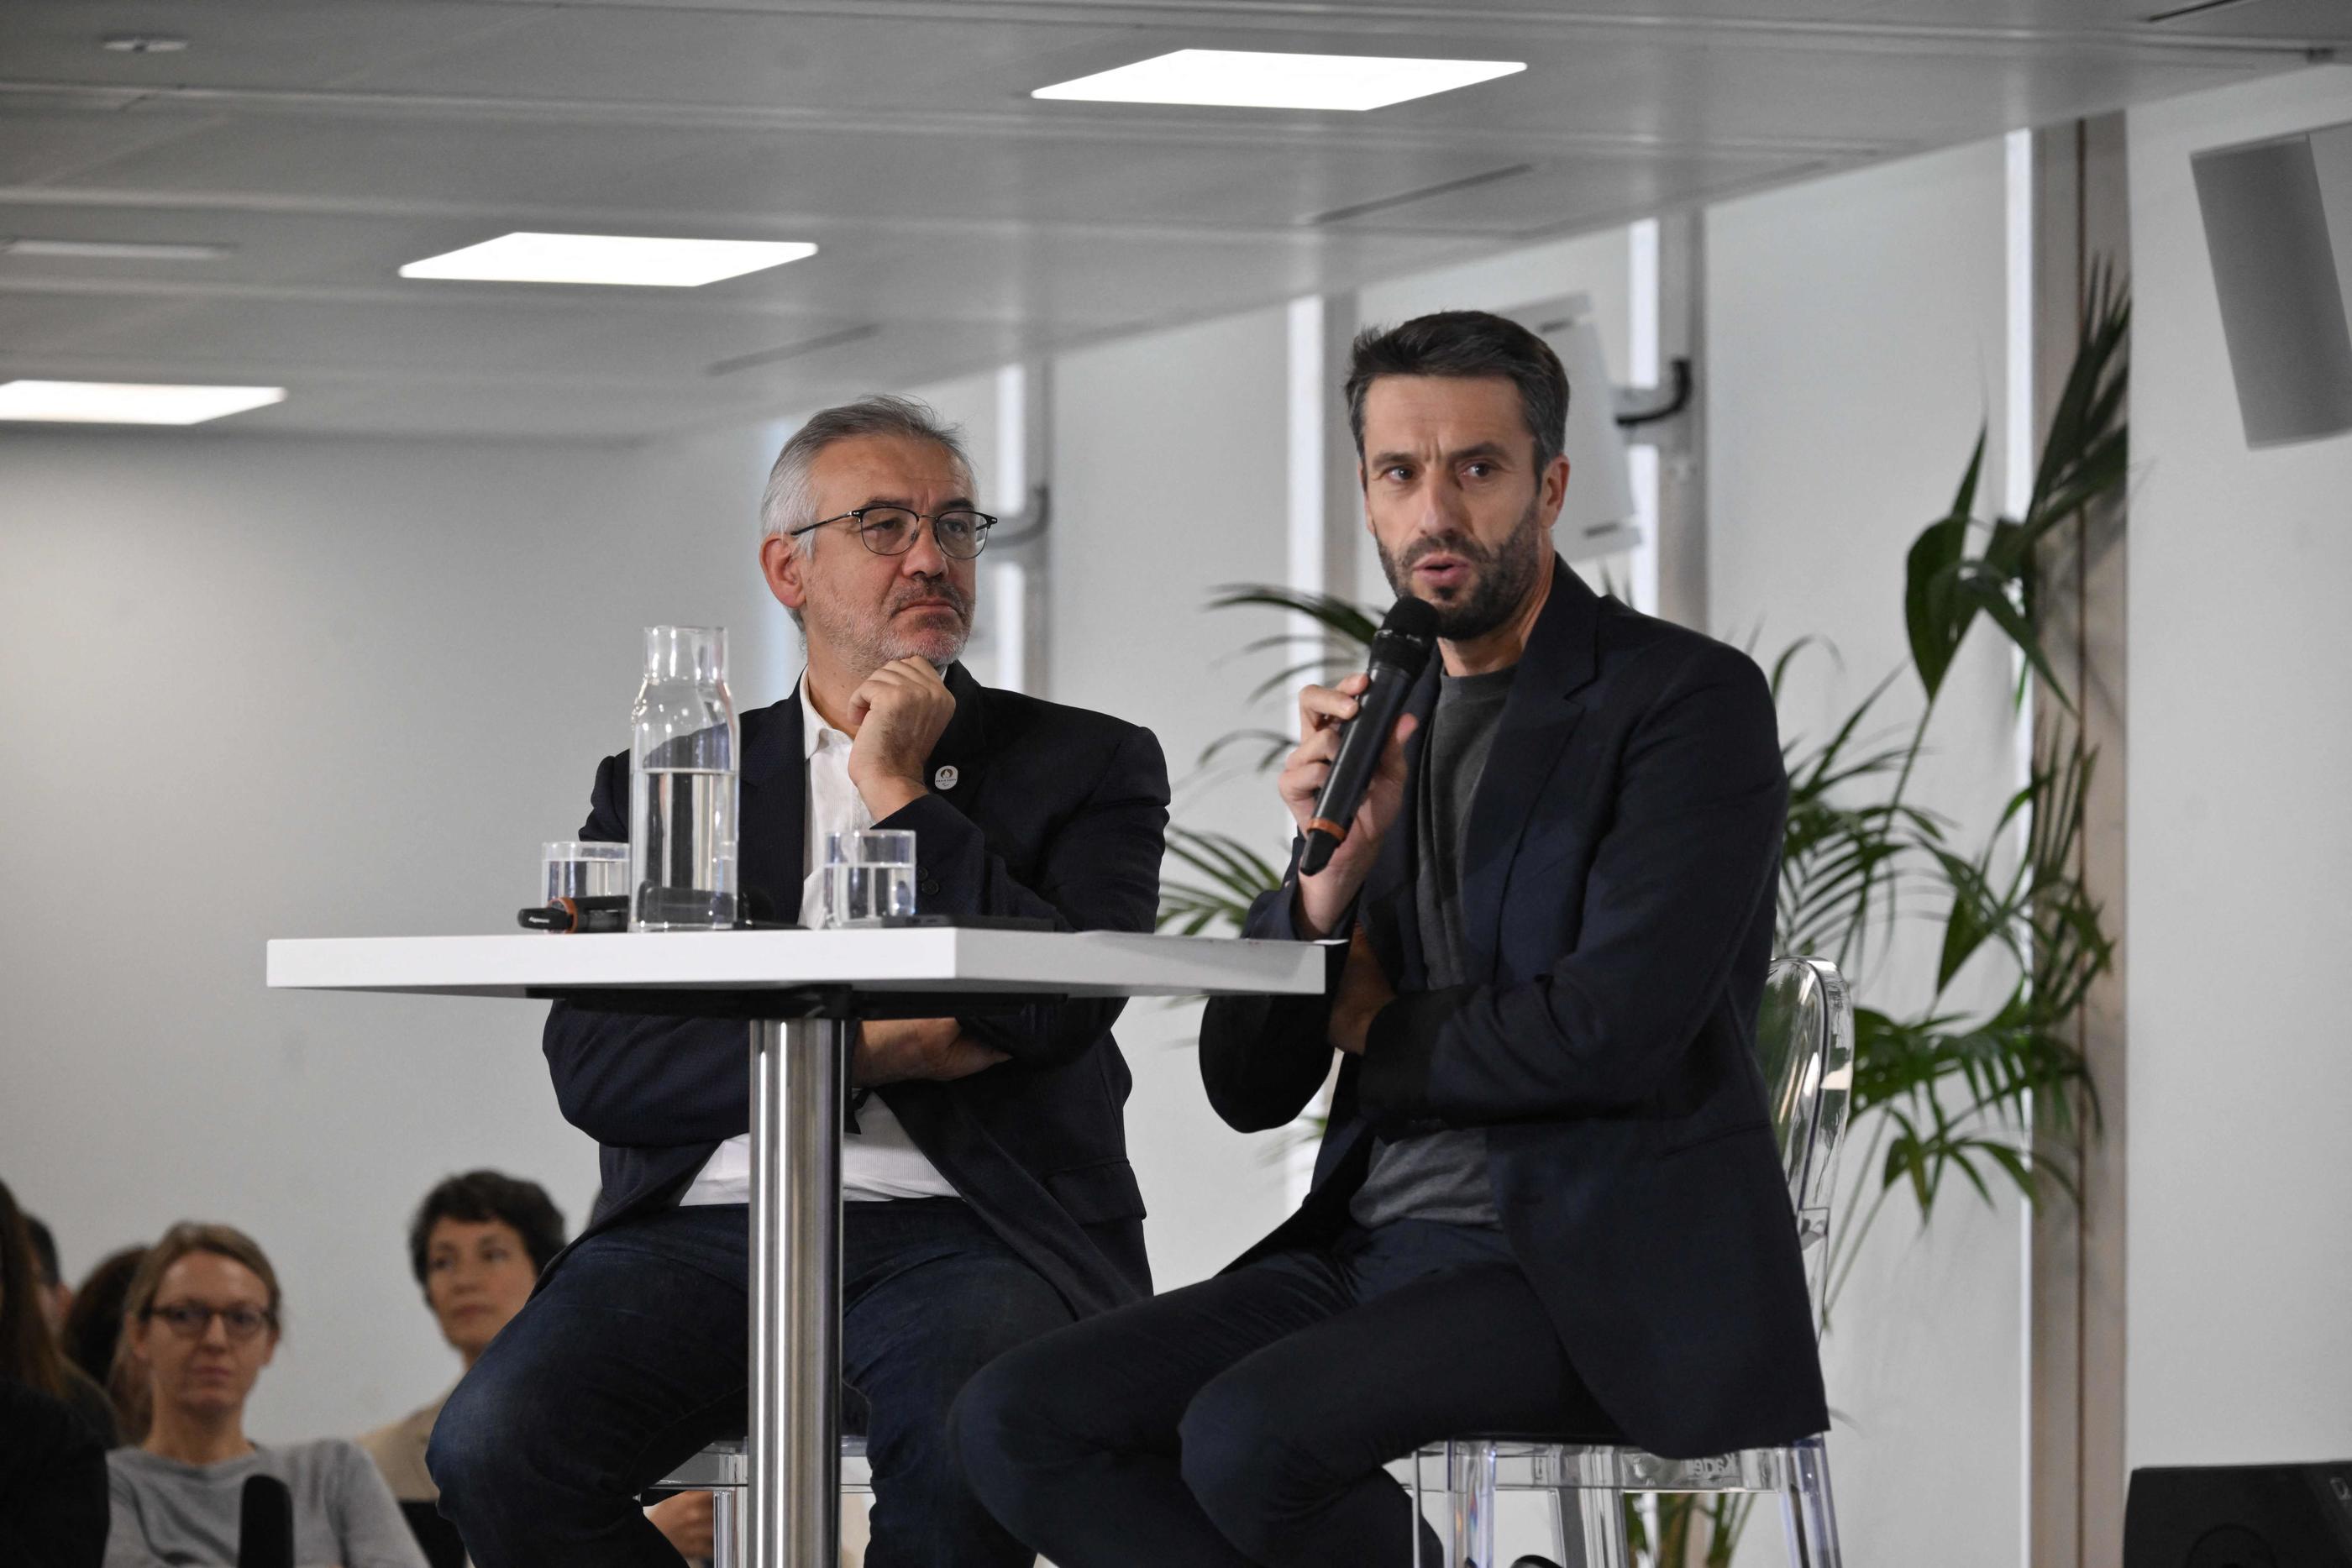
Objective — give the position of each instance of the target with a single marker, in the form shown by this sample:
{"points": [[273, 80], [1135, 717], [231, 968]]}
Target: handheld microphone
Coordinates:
{"points": [[1400, 654], [561, 915], [265, 1524]]}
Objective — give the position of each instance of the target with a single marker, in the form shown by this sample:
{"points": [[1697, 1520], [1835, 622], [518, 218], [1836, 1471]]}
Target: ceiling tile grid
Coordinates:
{"points": [[316, 145]]}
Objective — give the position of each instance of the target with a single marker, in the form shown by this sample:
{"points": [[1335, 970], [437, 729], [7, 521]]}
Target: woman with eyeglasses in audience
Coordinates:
{"points": [[202, 1319], [52, 1455]]}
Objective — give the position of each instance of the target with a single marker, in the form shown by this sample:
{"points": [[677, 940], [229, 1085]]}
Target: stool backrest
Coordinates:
{"points": [[1805, 1039]]}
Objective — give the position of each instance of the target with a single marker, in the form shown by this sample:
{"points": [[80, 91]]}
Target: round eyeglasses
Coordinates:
{"points": [[959, 532], [189, 1319]]}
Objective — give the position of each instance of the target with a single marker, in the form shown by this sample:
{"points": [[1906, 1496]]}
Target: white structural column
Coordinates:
{"points": [[1020, 563], [1327, 531], [1327, 517], [2075, 1417], [1643, 369], [1679, 545]]}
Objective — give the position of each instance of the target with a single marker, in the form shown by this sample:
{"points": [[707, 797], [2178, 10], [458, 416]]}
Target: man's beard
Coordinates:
{"points": [[872, 644], [1500, 578]]}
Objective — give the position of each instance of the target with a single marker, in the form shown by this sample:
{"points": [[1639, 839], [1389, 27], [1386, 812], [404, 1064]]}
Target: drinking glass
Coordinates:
{"points": [[581, 868], [869, 876]]}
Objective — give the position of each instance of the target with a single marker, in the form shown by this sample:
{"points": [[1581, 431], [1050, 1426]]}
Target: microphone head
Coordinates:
{"points": [[1407, 635]]}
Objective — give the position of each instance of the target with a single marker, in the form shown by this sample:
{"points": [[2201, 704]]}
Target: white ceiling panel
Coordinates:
{"points": [[41, 144], [960, 221], [633, 56], [285, 43], [1368, 19], [389, 164]]}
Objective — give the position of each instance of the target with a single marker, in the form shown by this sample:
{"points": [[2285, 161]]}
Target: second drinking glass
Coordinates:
{"points": [[869, 876]]}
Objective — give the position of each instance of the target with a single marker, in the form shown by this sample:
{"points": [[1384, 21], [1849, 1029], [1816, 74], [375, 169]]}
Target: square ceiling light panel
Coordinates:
{"points": [[128, 402], [623, 260], [1243, 78]]}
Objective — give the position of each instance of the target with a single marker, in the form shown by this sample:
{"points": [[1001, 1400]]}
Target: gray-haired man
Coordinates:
{"points": [[990, 1197]]}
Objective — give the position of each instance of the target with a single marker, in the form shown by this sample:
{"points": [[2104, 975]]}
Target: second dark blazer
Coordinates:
{"points": [[1618, 889], [1056, 812]]}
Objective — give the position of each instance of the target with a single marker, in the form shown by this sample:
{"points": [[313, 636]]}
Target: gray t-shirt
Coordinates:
{"points": [[171, 1513], [1441, 1176]]}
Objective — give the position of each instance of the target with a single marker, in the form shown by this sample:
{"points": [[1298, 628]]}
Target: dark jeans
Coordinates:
{"points": [[633, 1356], [1245, 1419]]}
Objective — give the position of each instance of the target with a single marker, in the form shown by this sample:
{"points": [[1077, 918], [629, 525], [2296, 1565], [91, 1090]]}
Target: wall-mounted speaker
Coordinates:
{"points": [[2278, 222], [2239, 1516]]}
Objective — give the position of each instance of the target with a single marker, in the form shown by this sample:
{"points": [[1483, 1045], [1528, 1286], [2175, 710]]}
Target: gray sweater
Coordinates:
{"points": [[170, 1513]]}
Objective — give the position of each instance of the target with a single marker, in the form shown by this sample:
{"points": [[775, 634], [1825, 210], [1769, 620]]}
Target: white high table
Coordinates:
{"points": [[799, 992]]}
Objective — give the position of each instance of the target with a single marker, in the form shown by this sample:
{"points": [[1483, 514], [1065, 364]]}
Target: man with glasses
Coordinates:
{"points": [[990, 1198]]}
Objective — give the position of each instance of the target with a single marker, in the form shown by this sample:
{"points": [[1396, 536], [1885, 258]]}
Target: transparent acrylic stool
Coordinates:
{"points": [[1588, 1483], [1804, 1042], [723, 1470]]}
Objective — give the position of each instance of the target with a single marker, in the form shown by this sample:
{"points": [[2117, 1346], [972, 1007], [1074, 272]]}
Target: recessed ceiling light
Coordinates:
{"points": [[608, 258], [1243, 78], [143, 44], [128, 402], [113, 249]]}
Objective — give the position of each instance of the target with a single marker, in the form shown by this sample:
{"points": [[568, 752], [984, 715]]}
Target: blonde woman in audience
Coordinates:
{"points": [[202, 1319]]}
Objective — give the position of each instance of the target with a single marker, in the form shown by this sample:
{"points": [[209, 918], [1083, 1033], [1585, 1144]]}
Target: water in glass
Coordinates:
{"points": [[869, 876]]}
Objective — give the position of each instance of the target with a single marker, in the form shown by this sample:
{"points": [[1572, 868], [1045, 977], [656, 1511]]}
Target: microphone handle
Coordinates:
{"points": [[1351, 771], [1319, 845]]}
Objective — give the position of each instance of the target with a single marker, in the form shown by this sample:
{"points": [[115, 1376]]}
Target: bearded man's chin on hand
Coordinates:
{"points": [[937, 637]]}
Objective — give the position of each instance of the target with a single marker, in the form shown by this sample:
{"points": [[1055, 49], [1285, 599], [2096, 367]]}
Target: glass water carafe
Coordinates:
{"points": [[682, 784]]}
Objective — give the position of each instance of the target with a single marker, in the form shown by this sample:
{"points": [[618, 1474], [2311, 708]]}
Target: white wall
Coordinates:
{"points": [[1170, 481], [971, 404], [269, 687], [1855, 344], [2240, 1239]]}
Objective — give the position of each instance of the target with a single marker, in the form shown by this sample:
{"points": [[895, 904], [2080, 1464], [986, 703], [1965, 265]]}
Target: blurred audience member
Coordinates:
{"points": [[56, 1294], [475, 1247], [202, 1319], [52, 1458], [27, 1361], [94, 1322]]}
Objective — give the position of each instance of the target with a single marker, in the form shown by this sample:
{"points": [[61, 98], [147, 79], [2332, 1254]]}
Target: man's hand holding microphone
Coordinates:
{"points": [[1344, 783]]}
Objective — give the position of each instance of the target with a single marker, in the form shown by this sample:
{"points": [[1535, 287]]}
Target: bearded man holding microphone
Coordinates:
{"points": [[1548, 1198]]}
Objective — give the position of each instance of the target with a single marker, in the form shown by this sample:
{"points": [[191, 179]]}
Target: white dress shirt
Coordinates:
{"points": [[879, 1161]]}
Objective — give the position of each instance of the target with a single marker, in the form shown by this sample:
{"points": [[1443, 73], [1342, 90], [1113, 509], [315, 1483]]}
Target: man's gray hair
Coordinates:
{"points": [[791, 500]]}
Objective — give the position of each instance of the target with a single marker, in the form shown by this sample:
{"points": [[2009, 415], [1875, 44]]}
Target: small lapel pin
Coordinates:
{"points": [[945, 778]]}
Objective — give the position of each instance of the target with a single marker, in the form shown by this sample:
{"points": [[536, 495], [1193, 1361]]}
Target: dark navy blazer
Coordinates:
{"points": [[1618, 888], [1056, 812]]}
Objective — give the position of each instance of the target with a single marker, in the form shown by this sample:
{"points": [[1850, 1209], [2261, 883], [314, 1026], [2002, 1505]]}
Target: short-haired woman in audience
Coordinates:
{"points": [[202, 1320], [477, 1247]]}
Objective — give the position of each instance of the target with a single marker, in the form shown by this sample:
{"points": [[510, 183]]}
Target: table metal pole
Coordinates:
{"points": [[794, 1447]]}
